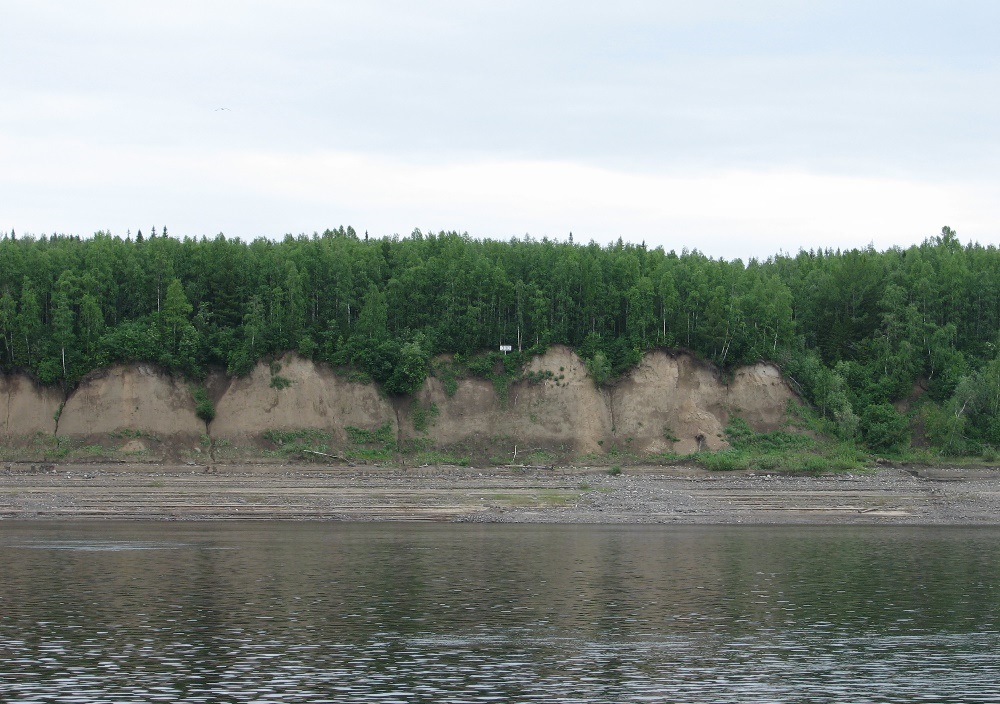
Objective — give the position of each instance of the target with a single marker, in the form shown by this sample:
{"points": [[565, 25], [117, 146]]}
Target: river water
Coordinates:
{"points": [[334, 612]]}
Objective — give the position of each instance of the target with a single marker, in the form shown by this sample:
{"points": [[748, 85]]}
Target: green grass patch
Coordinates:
{"points": [[622, 454], [279, 382], [59, 448], [288, 442], [449, 373], [371, 454], [539, 376], [133, 433], [725, 461], [537, 457], [742, 437], [423, 417], [782, 451], [376, 445], [362, 436]]}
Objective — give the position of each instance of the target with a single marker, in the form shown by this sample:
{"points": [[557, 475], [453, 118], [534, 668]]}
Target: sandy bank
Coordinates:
{"points": [[671, 402], [680, 495]]}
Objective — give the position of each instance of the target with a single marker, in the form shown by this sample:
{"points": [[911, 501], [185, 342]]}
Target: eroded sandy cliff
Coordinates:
{"points": [[669, 402], [26, 409]]}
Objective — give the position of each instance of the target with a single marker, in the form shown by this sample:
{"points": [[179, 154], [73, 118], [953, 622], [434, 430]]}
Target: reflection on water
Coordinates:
{"points": [[97, 545], [328, 612]]}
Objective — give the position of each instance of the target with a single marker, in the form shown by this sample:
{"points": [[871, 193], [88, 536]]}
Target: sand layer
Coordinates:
{"points": [[641, 495]]}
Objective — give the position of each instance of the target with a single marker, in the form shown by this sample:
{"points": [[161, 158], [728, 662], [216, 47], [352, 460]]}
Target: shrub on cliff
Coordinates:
{"points": [[203, 407]]}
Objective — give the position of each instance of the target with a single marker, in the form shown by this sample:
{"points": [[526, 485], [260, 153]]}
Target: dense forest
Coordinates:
{"points": [[854, 330]]}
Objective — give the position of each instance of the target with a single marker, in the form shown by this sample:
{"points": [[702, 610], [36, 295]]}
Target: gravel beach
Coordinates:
{"points": [[682, 495]]}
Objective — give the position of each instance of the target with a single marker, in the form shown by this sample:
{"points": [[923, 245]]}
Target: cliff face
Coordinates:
{"points": [[670, 402], [26, 409], [561, 410], [292, 394], [138, 398]]}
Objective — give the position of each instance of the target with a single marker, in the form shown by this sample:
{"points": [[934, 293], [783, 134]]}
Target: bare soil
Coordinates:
{"points": [[640, 495], [670, 403]]}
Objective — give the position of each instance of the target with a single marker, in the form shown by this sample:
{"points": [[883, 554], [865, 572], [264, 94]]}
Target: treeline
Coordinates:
{"points": [[856, 330]]}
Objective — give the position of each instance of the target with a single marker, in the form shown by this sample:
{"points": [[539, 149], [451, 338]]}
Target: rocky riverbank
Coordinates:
{"points": [[640, 495]]}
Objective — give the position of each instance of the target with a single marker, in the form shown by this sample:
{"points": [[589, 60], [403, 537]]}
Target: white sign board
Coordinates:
{"points": [[505, 348]]}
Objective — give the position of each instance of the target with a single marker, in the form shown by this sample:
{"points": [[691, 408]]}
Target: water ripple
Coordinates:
{"points": [[454, 615]]}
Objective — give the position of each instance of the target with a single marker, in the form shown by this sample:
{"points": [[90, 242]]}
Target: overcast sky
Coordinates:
{"points": [[740, 129]]}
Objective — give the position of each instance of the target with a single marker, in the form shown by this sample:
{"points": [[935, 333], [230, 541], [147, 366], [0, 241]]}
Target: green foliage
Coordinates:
{"points": [[448, 373], [291, 442], [855, 329], [969, 421], [203, 406], [307, 347], [725, 461], [358, 377], [883, 428], [599, 368], [536, 457], [410, 369], [369, 454], [781, 451], [239, 363], [539, 376], [399, 368], [371, 445], [480, 365], [423, 417], [380, 436], [502, 369], [59, 448], [825, 457], [176, 307], [742, 437], [945, 427], [826, 388], [279, 382]]}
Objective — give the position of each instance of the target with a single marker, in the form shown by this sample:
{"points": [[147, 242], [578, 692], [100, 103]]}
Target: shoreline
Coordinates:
{"points": [[572, 495]]}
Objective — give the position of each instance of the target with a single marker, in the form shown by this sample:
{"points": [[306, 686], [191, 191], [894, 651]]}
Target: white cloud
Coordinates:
{"points": [[723, 213], [734, 128]]}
